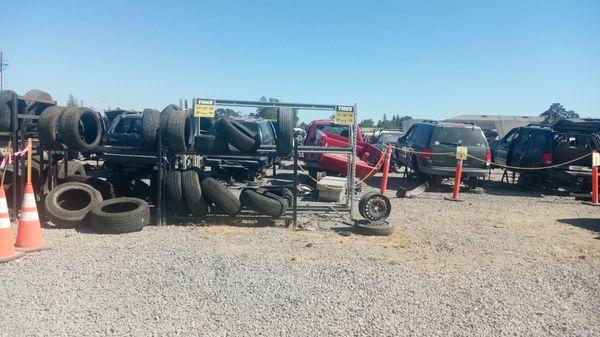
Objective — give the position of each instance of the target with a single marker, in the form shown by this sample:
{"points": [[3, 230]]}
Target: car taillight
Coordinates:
{"points": [[488, 157], [547, 158], [426, 154]]}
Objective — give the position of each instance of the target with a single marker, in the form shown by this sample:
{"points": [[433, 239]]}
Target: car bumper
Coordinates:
{"points": [[451, 171]]}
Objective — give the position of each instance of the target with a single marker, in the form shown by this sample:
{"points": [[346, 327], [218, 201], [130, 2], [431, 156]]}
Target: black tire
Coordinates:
{"points": [[192, 193], [150, 125], [237, 135], [106, 189], [6, 99], [80, 129], [220, 196], [175, 192], [47, 126], [75, 168], [164, 117], [281, 192], [263, 203], [285, 131], [180, 131], [210, 144], [374, 206], [120, 215], [68, 205], [126, 185], [378, 228], [36, 108]]}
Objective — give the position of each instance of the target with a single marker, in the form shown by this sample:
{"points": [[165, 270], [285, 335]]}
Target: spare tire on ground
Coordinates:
{"points": [[120, 215], [366, 227], [80, 128], [263, 202], [74, 168], [68, 205], [285, 131], [279, 191], [192, 192], [34, 107], [105, 188], [48, 126], [150, 126], [210, 144], [179, 131], [237, 135], [219, 195]]}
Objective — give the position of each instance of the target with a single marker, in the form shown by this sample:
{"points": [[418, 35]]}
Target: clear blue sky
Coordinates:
{"points": [[427, 59]]}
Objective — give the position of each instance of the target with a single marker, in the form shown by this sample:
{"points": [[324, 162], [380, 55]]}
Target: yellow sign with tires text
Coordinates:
{"points": [[204, 108]]}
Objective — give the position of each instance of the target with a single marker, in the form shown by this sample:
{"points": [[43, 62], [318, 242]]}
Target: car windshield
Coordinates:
{"points": [[459, 136], [390, 137]]}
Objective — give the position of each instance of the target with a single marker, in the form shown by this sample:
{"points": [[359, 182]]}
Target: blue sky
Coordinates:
{"points": [[427, 59]]}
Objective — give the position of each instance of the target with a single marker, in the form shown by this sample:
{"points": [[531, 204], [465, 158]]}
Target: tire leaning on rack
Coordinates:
{"points": [[33, 107], [285, 131], [175, 192], [106, 189], [48, 126], [180, 131], [69, 204], [120, 215], [80, 128], [150, 125], [237, 134], [220, 196], [264, 203], [192, 193]]}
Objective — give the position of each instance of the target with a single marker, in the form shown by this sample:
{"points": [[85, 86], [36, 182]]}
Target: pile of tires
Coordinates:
{"points": [[76, 128], [175, 125], [271, 201]]}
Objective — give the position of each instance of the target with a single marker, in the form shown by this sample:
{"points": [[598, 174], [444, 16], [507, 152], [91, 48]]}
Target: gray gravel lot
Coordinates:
{"points": [[503, 263]]}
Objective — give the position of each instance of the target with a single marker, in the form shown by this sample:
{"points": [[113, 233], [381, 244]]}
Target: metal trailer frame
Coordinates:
{"points": [[270, 149], [18, 133]]}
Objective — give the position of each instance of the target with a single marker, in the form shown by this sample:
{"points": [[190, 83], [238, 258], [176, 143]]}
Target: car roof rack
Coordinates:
{"points": [[539, 125]]}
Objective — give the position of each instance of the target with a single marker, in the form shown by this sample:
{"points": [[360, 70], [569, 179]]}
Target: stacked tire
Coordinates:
{"points": [[77, 128], [273, 201]]}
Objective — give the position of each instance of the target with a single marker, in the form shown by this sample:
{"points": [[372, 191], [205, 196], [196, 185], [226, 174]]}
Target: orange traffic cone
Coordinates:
{"points": [[7, 245], [29, 233]]}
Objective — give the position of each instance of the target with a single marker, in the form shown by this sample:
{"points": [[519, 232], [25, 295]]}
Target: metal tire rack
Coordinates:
{"points": [[18, 134], [292, 216]]}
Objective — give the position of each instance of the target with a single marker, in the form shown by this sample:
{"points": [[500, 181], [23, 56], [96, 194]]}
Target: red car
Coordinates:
{"points": [[327, 133]]}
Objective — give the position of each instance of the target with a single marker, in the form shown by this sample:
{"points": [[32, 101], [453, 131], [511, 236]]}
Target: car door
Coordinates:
{"points": [[500, 148], [518, 148], [403, 143]]}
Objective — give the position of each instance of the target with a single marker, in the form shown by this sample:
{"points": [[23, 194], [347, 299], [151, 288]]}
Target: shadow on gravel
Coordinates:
{"points": [[592, 224]]}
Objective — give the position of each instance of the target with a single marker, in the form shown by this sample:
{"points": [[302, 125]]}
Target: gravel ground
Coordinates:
{"points": [[503, 263]]}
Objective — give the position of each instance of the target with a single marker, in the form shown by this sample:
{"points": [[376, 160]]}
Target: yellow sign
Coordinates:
{"points": [[344, 115], [204, 108], [595, 159], [461, 152]]}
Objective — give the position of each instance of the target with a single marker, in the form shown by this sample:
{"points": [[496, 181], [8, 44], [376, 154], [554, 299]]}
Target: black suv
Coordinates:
{"points": [[432, 137], [541, 145]]}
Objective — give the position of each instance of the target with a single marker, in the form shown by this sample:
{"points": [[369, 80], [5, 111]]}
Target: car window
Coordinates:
{"points": [[425, 134], [410, 132], [510, 136], [266, 132], [538, 139], [340, 130], [391, 137], [459, 136], [123, 125]]}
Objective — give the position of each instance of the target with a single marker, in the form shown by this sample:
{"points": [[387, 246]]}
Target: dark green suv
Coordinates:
{"points": [[430, 137]]}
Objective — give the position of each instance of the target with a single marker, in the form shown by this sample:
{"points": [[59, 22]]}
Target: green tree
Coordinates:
{"points": [[303, 126], [72, 102], [221, 113], [557, 112], [367, 123]]}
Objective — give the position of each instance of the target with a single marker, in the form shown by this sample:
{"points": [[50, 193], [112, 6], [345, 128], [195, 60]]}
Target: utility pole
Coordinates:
{"points": [[3, 65]]}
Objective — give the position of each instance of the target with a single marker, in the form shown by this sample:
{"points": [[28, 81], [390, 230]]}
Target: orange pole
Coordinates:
{"points": [[457, 179], [386, 168], [595, 185]]}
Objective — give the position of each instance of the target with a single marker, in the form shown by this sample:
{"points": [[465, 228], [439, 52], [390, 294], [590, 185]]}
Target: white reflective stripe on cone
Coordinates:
{"points": [[29, 200], [3, 206], [4, 222], [29, 216]]}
